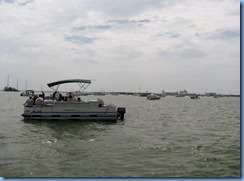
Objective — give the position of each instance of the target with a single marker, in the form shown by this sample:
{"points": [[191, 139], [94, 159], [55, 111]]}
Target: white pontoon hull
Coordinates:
{"points": [[70, 116], [71, 110]]}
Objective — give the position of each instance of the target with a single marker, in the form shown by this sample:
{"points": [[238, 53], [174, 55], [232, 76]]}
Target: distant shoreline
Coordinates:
{"points": [[137, 93]]}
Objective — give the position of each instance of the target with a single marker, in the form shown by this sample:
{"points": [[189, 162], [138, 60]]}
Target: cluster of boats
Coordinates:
{"points": [[72, 107], [157, 97], [58, 107]]}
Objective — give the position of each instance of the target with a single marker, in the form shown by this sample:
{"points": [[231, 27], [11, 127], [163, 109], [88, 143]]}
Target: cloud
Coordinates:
{"points": [[8, 1], [78, 39], [18, 2], [173, 34], [224, 34], [127, 21], [135, 42], [96, 27]]}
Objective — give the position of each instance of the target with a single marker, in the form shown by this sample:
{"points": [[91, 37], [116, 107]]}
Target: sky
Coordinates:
{"points": [[122, 45]]}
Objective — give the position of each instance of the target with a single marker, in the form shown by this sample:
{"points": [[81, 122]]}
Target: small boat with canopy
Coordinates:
{"points": [[61, 107]]}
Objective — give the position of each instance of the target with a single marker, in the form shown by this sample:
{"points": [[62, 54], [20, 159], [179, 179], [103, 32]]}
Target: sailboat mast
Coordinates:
{"points": [[8, 81], [17, 83]]}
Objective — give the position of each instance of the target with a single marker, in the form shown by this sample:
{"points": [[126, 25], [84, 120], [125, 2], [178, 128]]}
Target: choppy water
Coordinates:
{"points": [[170, 137]]}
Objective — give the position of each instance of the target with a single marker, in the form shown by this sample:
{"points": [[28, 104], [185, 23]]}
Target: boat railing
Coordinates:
{"points": [[52, 103]]}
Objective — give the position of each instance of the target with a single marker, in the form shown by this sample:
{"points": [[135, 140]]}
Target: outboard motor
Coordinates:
{"points": [[121, 112]]}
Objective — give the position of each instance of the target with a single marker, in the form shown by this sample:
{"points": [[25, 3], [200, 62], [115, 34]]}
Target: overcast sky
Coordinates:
{"points": [[122, 45]]}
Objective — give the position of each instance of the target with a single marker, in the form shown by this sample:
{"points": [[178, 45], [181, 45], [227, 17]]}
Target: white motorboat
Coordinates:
{"points": [[62, 107], [194, 96], [27, 93], [153, 97]]}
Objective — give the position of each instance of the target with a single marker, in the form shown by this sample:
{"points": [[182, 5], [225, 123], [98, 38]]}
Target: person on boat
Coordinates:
{"points": [[100, 102], [65, 98], [60, 98], [39, 100], [34, 97], [29, 101], [43, 95], [71, 96]]}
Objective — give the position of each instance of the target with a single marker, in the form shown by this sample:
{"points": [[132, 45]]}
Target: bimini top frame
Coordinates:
{"points": [[81, 82]]}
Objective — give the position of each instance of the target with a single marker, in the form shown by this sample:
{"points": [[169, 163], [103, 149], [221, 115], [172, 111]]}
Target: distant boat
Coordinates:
{"points": [[144, 94], [27, 93], [195, 96], [163, 94], [99, 94], [10, 89], [218, 96], [180, 95], [153, 97]]}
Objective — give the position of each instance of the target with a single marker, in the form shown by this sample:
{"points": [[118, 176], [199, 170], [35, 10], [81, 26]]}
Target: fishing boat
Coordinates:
{"points": [[71, 107]]}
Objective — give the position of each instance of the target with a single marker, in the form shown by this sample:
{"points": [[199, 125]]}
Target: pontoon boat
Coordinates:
{"points": [[63, 107]]}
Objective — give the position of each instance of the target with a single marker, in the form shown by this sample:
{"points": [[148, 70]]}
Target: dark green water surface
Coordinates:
{"points": [[170, 137]]}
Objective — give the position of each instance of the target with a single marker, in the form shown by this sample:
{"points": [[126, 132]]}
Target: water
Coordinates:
{"points": [[170, 137]]}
